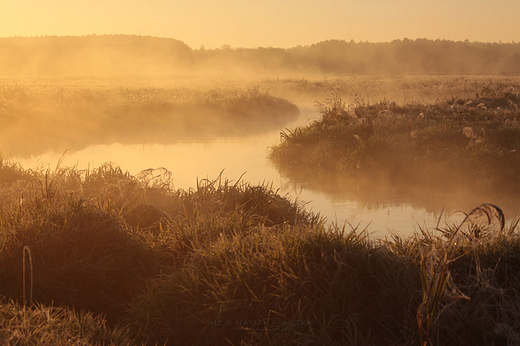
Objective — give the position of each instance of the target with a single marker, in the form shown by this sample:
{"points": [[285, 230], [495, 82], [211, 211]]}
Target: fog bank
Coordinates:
{"points": [[144, 55]]}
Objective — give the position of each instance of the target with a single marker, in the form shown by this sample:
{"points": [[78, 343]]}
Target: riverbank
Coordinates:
{"points": [[131, 260], [54, 115], [454, 141]]}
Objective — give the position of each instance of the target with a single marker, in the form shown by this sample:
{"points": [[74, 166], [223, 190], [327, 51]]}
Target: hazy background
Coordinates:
{"points": [[265, 23], [132, 55]]}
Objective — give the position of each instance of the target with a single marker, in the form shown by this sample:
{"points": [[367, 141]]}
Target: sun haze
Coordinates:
{"points": [[275, 23]]}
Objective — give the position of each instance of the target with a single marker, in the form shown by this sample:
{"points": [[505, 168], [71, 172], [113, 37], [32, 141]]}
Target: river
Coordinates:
{"points": [[380, 208]]}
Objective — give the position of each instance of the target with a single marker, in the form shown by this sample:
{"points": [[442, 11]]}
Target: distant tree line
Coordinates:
{"points": [[137, 55], [92, 55]]}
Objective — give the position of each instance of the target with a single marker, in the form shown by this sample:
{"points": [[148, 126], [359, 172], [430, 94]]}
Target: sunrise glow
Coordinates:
{"points": [[266, 23]]}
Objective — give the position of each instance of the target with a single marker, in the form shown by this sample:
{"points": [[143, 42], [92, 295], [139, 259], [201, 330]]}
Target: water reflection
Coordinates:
{"points": [[393, 206]]}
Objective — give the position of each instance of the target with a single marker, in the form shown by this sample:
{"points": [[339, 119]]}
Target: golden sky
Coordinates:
{"points": [[276, 23]]}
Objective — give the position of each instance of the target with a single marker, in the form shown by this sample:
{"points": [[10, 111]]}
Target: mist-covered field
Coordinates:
{"points": [[55, 115], [41, 114], [100, 256]]}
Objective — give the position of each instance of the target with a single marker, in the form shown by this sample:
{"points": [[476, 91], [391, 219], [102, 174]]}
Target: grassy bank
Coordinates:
{"points": [[66, 114], [104, 257], [448, 141]]}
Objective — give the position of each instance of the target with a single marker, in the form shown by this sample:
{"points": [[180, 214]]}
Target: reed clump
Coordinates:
{"points": [[119, 259], [473, 139]]}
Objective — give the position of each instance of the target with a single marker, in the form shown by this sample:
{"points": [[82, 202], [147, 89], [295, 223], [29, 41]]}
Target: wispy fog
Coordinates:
{"points": [[142, 55]]}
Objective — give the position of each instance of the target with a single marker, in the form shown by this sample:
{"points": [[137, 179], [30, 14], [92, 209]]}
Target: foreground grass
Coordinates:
{"points": [[474, 139], [44, 325], [103, 257]]}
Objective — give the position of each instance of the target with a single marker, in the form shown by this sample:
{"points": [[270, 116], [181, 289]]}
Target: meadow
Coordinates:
{"points": [[103, 257]]}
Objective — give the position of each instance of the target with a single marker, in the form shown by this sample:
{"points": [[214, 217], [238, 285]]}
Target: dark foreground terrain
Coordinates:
{"points": [[101, 257]]}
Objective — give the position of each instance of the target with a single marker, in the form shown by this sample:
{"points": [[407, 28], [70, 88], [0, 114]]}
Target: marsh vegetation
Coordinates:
{"points": [[465, 144], [58, 115], [102, 256]]}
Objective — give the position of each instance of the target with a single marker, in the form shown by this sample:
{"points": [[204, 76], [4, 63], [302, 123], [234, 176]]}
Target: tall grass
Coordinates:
{"points": [[43, 325], [457, 139], [121, 259]]}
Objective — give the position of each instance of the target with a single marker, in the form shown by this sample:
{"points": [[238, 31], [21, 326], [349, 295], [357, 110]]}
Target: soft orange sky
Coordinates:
{"points": [[277, 23]]}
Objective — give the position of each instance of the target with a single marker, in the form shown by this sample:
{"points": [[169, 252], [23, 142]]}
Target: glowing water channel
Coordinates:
{"points": [[245, 158]]}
